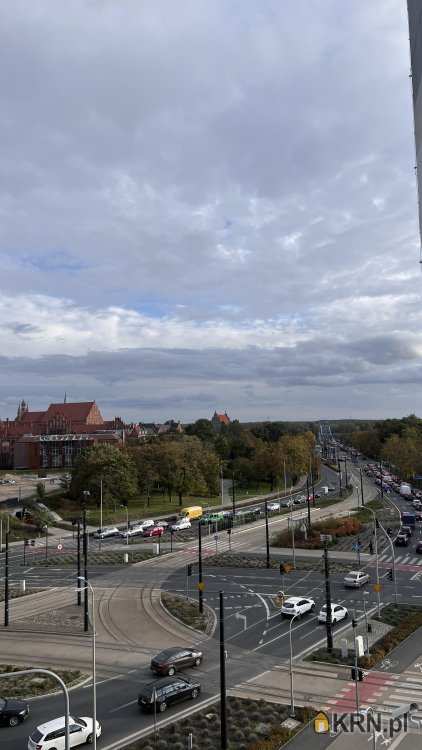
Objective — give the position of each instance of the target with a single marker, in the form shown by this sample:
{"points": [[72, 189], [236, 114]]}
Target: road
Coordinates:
{"points": [[256, 636]]}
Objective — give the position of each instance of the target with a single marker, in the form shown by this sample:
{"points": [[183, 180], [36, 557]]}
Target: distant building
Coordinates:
{"points": [[52, 439], [219, 419], [169, 427], [415, 34]]}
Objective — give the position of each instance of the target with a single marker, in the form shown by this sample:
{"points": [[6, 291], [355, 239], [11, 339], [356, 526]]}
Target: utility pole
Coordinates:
{"points": [[223, 706], [200, 592], [339, 475], [345, 471], [328, 602], [85, 548], [361, 488], [233, 495], [79, 600], [354, 625], [267, 536], [312, 481], [382, 483], [308, 502], [6, 582]]}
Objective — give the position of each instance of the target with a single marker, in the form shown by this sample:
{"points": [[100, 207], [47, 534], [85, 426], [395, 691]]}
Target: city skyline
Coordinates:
{"points": [[200, 213]]}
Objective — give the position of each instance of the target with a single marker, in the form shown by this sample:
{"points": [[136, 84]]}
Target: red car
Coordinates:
{"points": [[154, 531]]}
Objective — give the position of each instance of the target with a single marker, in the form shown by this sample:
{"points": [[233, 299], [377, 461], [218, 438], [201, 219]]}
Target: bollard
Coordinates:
{"points": [[126, 557], [23, 586], [156, 549]]}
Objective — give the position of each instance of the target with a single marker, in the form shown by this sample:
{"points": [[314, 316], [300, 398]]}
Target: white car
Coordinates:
{"points": [[297, 605], [147, 524], [106, 531], [51, 736], [134, 531], [356, 578], [183, 523], [273, 506], [338, 612]]}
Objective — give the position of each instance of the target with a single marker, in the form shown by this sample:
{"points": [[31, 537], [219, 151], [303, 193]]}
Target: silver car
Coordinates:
{"points": [[356, 578]]}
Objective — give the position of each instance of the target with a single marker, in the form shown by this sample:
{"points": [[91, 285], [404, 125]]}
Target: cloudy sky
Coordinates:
{"points": [[209, 204]]}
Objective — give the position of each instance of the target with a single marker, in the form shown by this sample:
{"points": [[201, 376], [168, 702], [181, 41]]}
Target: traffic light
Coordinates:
{"points": [[26, 542], [229, 531], [357, 674], [390, 575], [189, 569], [32, 542]]}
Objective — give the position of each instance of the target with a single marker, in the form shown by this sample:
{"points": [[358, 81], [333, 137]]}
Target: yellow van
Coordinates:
{"points": [[194, 511]]}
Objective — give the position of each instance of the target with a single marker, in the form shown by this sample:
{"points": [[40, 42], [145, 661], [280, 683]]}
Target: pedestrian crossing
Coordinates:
{"points": [[402, 559]]}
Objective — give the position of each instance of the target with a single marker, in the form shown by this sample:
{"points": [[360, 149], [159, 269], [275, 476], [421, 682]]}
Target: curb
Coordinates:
{"points": [[209, 630]]}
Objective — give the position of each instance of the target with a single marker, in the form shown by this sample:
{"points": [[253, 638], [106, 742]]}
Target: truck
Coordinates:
{"points": [[408, 519], [193, 511], [405, 489]]}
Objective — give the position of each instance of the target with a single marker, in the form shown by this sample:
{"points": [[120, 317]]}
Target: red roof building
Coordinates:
{"points": [[219, 419]]}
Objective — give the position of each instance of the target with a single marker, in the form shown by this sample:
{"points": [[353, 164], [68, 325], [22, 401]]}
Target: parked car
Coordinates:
{"points": [[356, 578], [401, 540], [50, 736], [182, 523], [106, 532], [166, 691], [153, 531], [132, 531], [172, 660], [273, 506], [12, 712], [338, 613], [297, 605]]}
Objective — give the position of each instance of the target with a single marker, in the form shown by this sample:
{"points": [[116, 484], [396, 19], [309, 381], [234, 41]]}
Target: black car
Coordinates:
{"points": [[172, 660], [402, 540], [418, 548], [12, 711], [406, 530], [166, 691]]}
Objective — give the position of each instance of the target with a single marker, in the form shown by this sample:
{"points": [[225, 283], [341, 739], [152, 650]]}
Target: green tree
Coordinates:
{"points": [[113, 466], [41, 491]]}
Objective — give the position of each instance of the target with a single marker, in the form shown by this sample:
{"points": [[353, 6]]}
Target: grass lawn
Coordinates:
{"points": [[184, 610], [111, 557]]}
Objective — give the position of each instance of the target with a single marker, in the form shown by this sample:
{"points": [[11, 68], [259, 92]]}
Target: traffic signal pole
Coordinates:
{"points": [[85, 548], [200, 592], [267, 537], [329, 624], [223, 702], [6, 582], [79, 600]]}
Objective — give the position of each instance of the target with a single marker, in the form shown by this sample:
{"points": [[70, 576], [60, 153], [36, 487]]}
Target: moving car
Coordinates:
{"points": [[50, 736], [418, 548], [356, 578], [106, 531], [12, 712], [166, 691], [273, 506], [153, 531], [401, 540], [338, 613], [193, 511], [171, 660], [297, 605], [132, 531], [406, 530], [147, 524], [182, 523], [286, 503]]}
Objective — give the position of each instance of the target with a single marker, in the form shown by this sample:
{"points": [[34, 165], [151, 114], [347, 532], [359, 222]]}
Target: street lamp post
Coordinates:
{"points": [[87, 586], [366, 621], [376, 557], [45, 528], [292, 699], [393, 554]]}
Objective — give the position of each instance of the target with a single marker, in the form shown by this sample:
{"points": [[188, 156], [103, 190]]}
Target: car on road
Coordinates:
{"points": [[172, 660], [12, 712], [338, 613], [418, 548], [51, 735], [287, 503], [273, 506], [297, 605], [183, 523], [406, 530], [107, 531], [401, 540], [356, 578], [153, 531], [166, 691]]}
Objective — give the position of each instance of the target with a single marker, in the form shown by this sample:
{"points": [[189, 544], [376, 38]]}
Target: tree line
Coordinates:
{"points": [[193, 463], [395, 441]]}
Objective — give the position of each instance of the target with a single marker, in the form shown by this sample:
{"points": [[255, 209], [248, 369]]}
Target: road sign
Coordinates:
{"points": [[216, 537], [200, 586], [377, 587], [326, 537], [356, 546], [59, 547]]}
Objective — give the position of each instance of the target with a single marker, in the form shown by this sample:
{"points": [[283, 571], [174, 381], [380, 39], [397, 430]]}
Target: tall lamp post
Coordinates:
{"points": [[292, 699], [376, 522], [85, 587]]}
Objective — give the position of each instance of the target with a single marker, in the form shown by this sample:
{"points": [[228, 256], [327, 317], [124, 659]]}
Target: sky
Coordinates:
{"points": [[209, 205]]}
